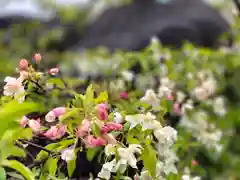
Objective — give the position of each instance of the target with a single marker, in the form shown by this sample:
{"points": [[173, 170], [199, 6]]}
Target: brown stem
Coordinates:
{"points": [[37, 146]]}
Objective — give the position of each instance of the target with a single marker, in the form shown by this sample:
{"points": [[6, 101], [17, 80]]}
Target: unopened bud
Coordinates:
{"points": [[53, 71], [194, 163], [37, 58], [23, 64]]}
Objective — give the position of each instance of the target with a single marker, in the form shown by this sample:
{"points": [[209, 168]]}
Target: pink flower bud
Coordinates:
{"points": [[102, 112], [34, 125], [92, 142], [53, 71], [55, 132], [124, 95], [194, 163], [37, 57], [59, 111], [170, 97], [102, 106], [23, 64], [111, 126], [24, 121], [84, 128], [55, 113], [177, 109]]}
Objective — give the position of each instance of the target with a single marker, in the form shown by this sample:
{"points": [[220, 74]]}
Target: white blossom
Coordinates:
{"points": [[151, 98], [118, 117], [134, 120], [105, 172], [128, 75], [187, 106], [180, 96], [127, 154], [219, 106], [147, 121], [68, 154], [50, 117], [14, 88], [207, 134], [166, 135]]}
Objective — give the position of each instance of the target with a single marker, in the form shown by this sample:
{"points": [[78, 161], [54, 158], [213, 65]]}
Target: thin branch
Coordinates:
{"points": [[37, 146]]}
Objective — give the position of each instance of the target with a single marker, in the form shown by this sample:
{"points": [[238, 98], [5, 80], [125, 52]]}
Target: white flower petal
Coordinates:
{"points": [[118, 117]]}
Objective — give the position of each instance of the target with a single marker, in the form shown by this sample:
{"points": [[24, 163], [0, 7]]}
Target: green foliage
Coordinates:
{"points": [[149, 159], [183, 67], [18, 167]]}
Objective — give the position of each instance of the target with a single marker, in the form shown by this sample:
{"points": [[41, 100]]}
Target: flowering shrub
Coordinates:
{"points": [[135, 144], [128, 127]]}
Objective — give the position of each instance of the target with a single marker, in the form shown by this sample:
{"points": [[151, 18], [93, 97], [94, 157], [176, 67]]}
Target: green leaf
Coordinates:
{"points": [[103, 97], [149, 159], [15, 151], [96, 130], [15, 175], [126, 126], [89, 99], [12, 111], [3, 175], [13, 164], [67, 142], [57, 82], [71, 166], [52, 166], [73, 113], [132, 140], [92, 152], [43, 154]]}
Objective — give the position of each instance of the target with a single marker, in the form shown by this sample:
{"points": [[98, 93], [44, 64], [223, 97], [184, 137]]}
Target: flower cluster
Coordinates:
{"points": [[132, 128], [127, 138]]}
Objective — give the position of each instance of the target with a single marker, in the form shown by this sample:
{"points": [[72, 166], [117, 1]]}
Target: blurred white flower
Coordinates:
{"points": [[118, 117], [145, 175], [170, 167], [50, 116], [127, 75], [188, 177], [180, 96], [134, 120], [165, 81], [166, 135], [105, 172], [151, 98], [219, 106], [120, 165], [207, 134], [14, 88], [163, 91], [166, 87], [210, 85], [127, 154], [68, 154], [200, 93], [207, 87], [147, 121], [187, 106]]}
